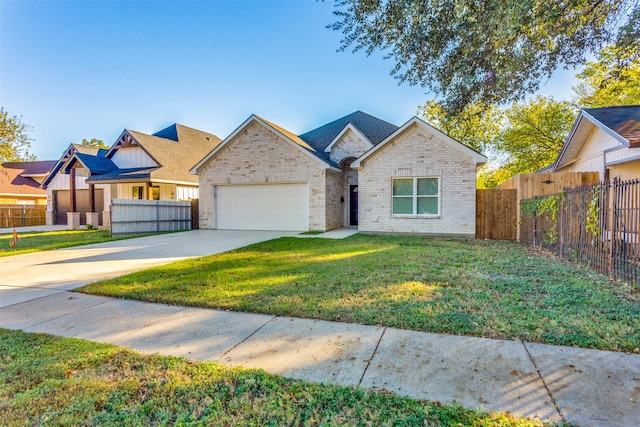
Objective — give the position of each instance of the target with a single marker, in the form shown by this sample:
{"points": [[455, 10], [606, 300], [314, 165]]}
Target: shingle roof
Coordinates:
{"points": [[97, 163], [79, 148], [170, 132], [12, 180], [68, 153], [133, 174], [302, 143], [176, 157], [40, 167], [373, 128], [623, 120]]}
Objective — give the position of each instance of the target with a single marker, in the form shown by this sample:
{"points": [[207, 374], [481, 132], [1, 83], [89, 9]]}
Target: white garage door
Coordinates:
{"points": [[262, 207]]}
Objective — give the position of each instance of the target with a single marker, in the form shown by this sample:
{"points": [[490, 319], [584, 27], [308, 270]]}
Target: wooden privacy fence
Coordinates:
{"points": [[496, 214], [149, 216], [12, 216], [597, 225], [532, 185]]}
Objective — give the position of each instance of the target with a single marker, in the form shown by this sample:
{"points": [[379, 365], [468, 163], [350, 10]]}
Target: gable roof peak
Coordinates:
{"points": [[622, 120], [176, 132], [416, 121], [170, 132], [373, 128]]}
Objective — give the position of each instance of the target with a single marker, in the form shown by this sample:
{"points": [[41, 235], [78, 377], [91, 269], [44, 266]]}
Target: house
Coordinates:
{"points": [[604, 140], [358, 170], [83, 182], [20, 182]]}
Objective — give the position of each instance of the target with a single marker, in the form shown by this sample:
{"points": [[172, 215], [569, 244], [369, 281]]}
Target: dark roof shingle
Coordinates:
{"points": [[39, 167], [176, 156], [15, 176], [373, 128], [623, 120], [133, 174], [96, 163]]}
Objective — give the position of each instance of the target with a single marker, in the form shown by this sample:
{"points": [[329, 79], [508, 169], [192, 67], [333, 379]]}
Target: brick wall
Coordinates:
{"points": [[335, 204], [350, 144], [258, 156], [418, 153]]}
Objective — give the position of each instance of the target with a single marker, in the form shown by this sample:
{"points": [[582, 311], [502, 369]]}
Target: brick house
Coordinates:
{"points": [[358, 170]]}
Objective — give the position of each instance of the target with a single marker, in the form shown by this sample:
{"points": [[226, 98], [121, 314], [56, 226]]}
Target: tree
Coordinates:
{"points": [[520, 139], [614, 79], [96, 143], [14, 139], [490, 52], [534, 133], [477, 126]]}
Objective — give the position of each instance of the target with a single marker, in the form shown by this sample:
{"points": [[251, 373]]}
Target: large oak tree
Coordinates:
{"points": [[490, 52]]}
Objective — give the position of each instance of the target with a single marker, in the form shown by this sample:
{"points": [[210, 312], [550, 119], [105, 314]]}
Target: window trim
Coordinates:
{"points": [[140, 192], [414, 198]]}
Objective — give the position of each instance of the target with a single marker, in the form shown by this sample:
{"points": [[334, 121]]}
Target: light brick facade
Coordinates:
{"points": [[262, 153], [350, 144], [418, 153], [258, 155]]}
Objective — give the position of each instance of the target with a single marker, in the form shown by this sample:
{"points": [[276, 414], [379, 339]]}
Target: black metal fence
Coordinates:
{"points": [[597, 225]]}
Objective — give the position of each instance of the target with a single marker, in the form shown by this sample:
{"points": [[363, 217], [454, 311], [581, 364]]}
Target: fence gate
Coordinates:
{"points": [[496, 214], [149, 216]]}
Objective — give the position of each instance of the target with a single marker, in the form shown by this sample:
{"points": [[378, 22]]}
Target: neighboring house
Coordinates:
{"points": [[20, 182], [83, 182], [604, 140], [358, 170]]}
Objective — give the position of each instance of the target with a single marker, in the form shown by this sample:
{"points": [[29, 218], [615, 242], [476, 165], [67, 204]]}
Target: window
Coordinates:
{"points": [[416, 196], [138, 192], [154, 193]]}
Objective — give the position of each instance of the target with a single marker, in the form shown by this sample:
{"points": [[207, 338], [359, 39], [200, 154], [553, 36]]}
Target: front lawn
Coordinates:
{"points": [[35, 241], [464, 287], [54, 381]]}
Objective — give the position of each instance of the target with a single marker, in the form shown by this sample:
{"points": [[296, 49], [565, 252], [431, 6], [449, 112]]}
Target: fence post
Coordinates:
{"points": [[612, 237], [535, 226], [157, 217], [560, 224]]}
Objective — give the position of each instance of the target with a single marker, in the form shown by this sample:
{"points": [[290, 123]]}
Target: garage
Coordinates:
{"points": [[62, 202], [262, 207]]}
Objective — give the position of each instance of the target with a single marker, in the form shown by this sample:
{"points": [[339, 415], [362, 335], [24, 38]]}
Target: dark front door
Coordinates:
{"points": [[353, 205]]}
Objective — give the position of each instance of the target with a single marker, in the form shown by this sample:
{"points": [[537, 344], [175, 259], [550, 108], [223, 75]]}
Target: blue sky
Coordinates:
{"points": [[89, 69]]}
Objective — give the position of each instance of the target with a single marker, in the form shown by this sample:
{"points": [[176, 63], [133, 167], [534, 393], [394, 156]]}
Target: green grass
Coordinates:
{"points": [[48, 240], [464, 287], [55, 381]]}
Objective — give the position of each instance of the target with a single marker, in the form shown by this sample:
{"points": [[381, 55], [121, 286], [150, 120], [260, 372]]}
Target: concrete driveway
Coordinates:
{"points": [[29, 276]]}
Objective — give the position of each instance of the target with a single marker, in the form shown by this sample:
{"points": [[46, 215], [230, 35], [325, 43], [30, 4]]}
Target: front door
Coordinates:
{"points": [[353, 205]]}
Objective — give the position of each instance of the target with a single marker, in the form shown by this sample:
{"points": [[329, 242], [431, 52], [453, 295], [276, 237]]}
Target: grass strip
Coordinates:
{"points": [[464, 287], [45, 380], [47, 240]]}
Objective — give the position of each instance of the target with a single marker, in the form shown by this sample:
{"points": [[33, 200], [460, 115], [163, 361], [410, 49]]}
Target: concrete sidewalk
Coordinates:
{"points": [[550, 383]]}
